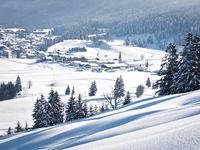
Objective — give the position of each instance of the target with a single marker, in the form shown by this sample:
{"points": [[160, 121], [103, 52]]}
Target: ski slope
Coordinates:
{"points": [[171, 122]]}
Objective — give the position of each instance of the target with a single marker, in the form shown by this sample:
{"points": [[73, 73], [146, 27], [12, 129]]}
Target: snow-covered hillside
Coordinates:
{"points": [[57, 76], [156, 123]]}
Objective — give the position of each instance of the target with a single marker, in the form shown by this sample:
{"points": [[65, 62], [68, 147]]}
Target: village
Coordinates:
{"points": [[23, 44]]}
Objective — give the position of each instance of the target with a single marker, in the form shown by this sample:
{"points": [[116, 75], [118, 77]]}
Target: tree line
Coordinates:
{"points": [[180, 71], [10, 90]]}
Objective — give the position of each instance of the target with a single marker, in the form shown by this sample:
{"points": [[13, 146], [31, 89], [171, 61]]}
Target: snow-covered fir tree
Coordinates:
{"points": [[85, 109], [188, 76], [56, 108], [26, 127], [40, 115], [18, 127], [67, 91], [127, 99], [93, 89], [119, 88], [80, 108], [139, 91], [148, 82], [18, 84], [9, 131], [71, 108], [169, 68]]}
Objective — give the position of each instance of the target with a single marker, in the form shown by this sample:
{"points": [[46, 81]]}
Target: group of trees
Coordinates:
{"points": [[51, 112], [118, 96], [9, 90], [18, 128], [47, 113], [92, 90], [181, 71]]}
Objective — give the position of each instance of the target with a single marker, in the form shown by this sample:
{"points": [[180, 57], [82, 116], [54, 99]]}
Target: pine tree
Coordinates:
{"points": [[56, 108], [127, 99], [168, 70], [9, 131], [80, 108], [188, 76], [139, 91], [85, 110], [19, 127], [26, 127], [40, 115], [18, 85], [119, 88], [93, 89], [71, 108], [148, 83], [67, 92], [91, 111]]}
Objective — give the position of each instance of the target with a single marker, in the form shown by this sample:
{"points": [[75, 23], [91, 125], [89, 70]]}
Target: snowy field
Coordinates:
{"points": [[150, 122], [167, 123], [47, 76]]}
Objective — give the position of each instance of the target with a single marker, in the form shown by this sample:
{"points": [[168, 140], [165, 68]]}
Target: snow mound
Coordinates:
{"points": [[171, 122]]}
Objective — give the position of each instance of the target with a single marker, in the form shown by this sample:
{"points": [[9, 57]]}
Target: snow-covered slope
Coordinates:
{"points": [[47, 76], [171, 122]]}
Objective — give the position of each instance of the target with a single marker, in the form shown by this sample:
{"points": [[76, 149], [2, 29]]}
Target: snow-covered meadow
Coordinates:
{"points": [[56, 76]]}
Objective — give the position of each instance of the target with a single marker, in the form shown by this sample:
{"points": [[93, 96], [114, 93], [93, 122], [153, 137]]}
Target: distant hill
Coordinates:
{"points": [[167, 20], [34, 13]]}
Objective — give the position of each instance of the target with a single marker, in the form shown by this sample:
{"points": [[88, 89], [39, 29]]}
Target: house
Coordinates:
{"points": [[30, 56], [114, 66], [92, 65], [137, 65]]}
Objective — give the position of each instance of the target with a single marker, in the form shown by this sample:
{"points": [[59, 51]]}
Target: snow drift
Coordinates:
{"points": [[171, 122]]}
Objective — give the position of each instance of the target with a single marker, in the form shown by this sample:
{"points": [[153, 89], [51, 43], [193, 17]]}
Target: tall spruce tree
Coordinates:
{"points": [[85, 109], [71, 108], [188, 76], [18, 85], [119, 88], [40, 116], [93, 89], [67, 91], [148, 82], [18, 127], [56, 109], [169, 68], [80, 107]]}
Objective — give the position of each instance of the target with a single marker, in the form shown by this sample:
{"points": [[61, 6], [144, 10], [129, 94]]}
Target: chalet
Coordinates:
{"points": [[30, 56], [137, 65], [114, 66]]}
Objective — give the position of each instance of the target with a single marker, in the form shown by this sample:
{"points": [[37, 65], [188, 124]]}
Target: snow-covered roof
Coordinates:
{"points": [[115, 65]]}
